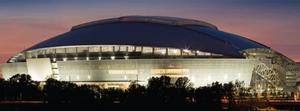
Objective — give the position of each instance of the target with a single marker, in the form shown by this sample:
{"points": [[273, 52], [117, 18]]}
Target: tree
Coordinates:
{"points": [[157, 89], [217, 92], [112, 95], [159, 82], [23, 88], [53, 91], [84, 94], [136, 94], [3, 89], [179, 92], [210, 97], [239, 89], [183, 82], [21, 78], [229, 94]]}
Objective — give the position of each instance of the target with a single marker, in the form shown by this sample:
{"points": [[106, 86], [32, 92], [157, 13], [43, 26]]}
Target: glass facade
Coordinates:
{"points": [[260, 68], [106, 51], [201, 71]]}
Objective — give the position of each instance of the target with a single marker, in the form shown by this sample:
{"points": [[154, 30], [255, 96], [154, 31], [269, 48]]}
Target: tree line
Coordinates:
{"points": [[158, 91]]}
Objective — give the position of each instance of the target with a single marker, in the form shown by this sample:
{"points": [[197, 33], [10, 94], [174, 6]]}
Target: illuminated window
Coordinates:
{"points": [[123, 48], [82, 49], [188, 52], [200, 53], [216, 54], [94, 49], [116, 48], [161, 51], [41, 52], [28, 55], [60, 50], [71, 50], [173, 51], [130, 48], [138, 49], [207, 54], [50, 51], [147, 49], [107, 48]]}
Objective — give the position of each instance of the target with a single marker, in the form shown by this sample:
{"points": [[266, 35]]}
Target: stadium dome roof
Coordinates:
{"points": [[156, 31]]}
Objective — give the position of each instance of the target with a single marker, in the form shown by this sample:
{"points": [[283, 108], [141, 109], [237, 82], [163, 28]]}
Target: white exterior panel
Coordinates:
{"points": [[39, 69], [201, 71], [8, 70]]}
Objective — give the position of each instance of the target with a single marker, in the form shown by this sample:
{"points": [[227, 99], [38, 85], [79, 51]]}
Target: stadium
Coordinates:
{"points": [[113, 52]]}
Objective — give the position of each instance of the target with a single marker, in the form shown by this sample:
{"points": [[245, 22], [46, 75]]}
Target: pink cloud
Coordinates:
{"points": [[17, 35]]}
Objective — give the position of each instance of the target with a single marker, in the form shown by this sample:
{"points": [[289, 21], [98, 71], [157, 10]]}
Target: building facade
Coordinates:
{"points": [[113, 52]]}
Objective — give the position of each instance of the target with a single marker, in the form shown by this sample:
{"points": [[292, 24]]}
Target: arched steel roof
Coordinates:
{"points": [[154, 31]]}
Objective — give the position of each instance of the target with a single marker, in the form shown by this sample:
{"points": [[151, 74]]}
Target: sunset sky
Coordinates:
{"points": [[275, 23]]}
